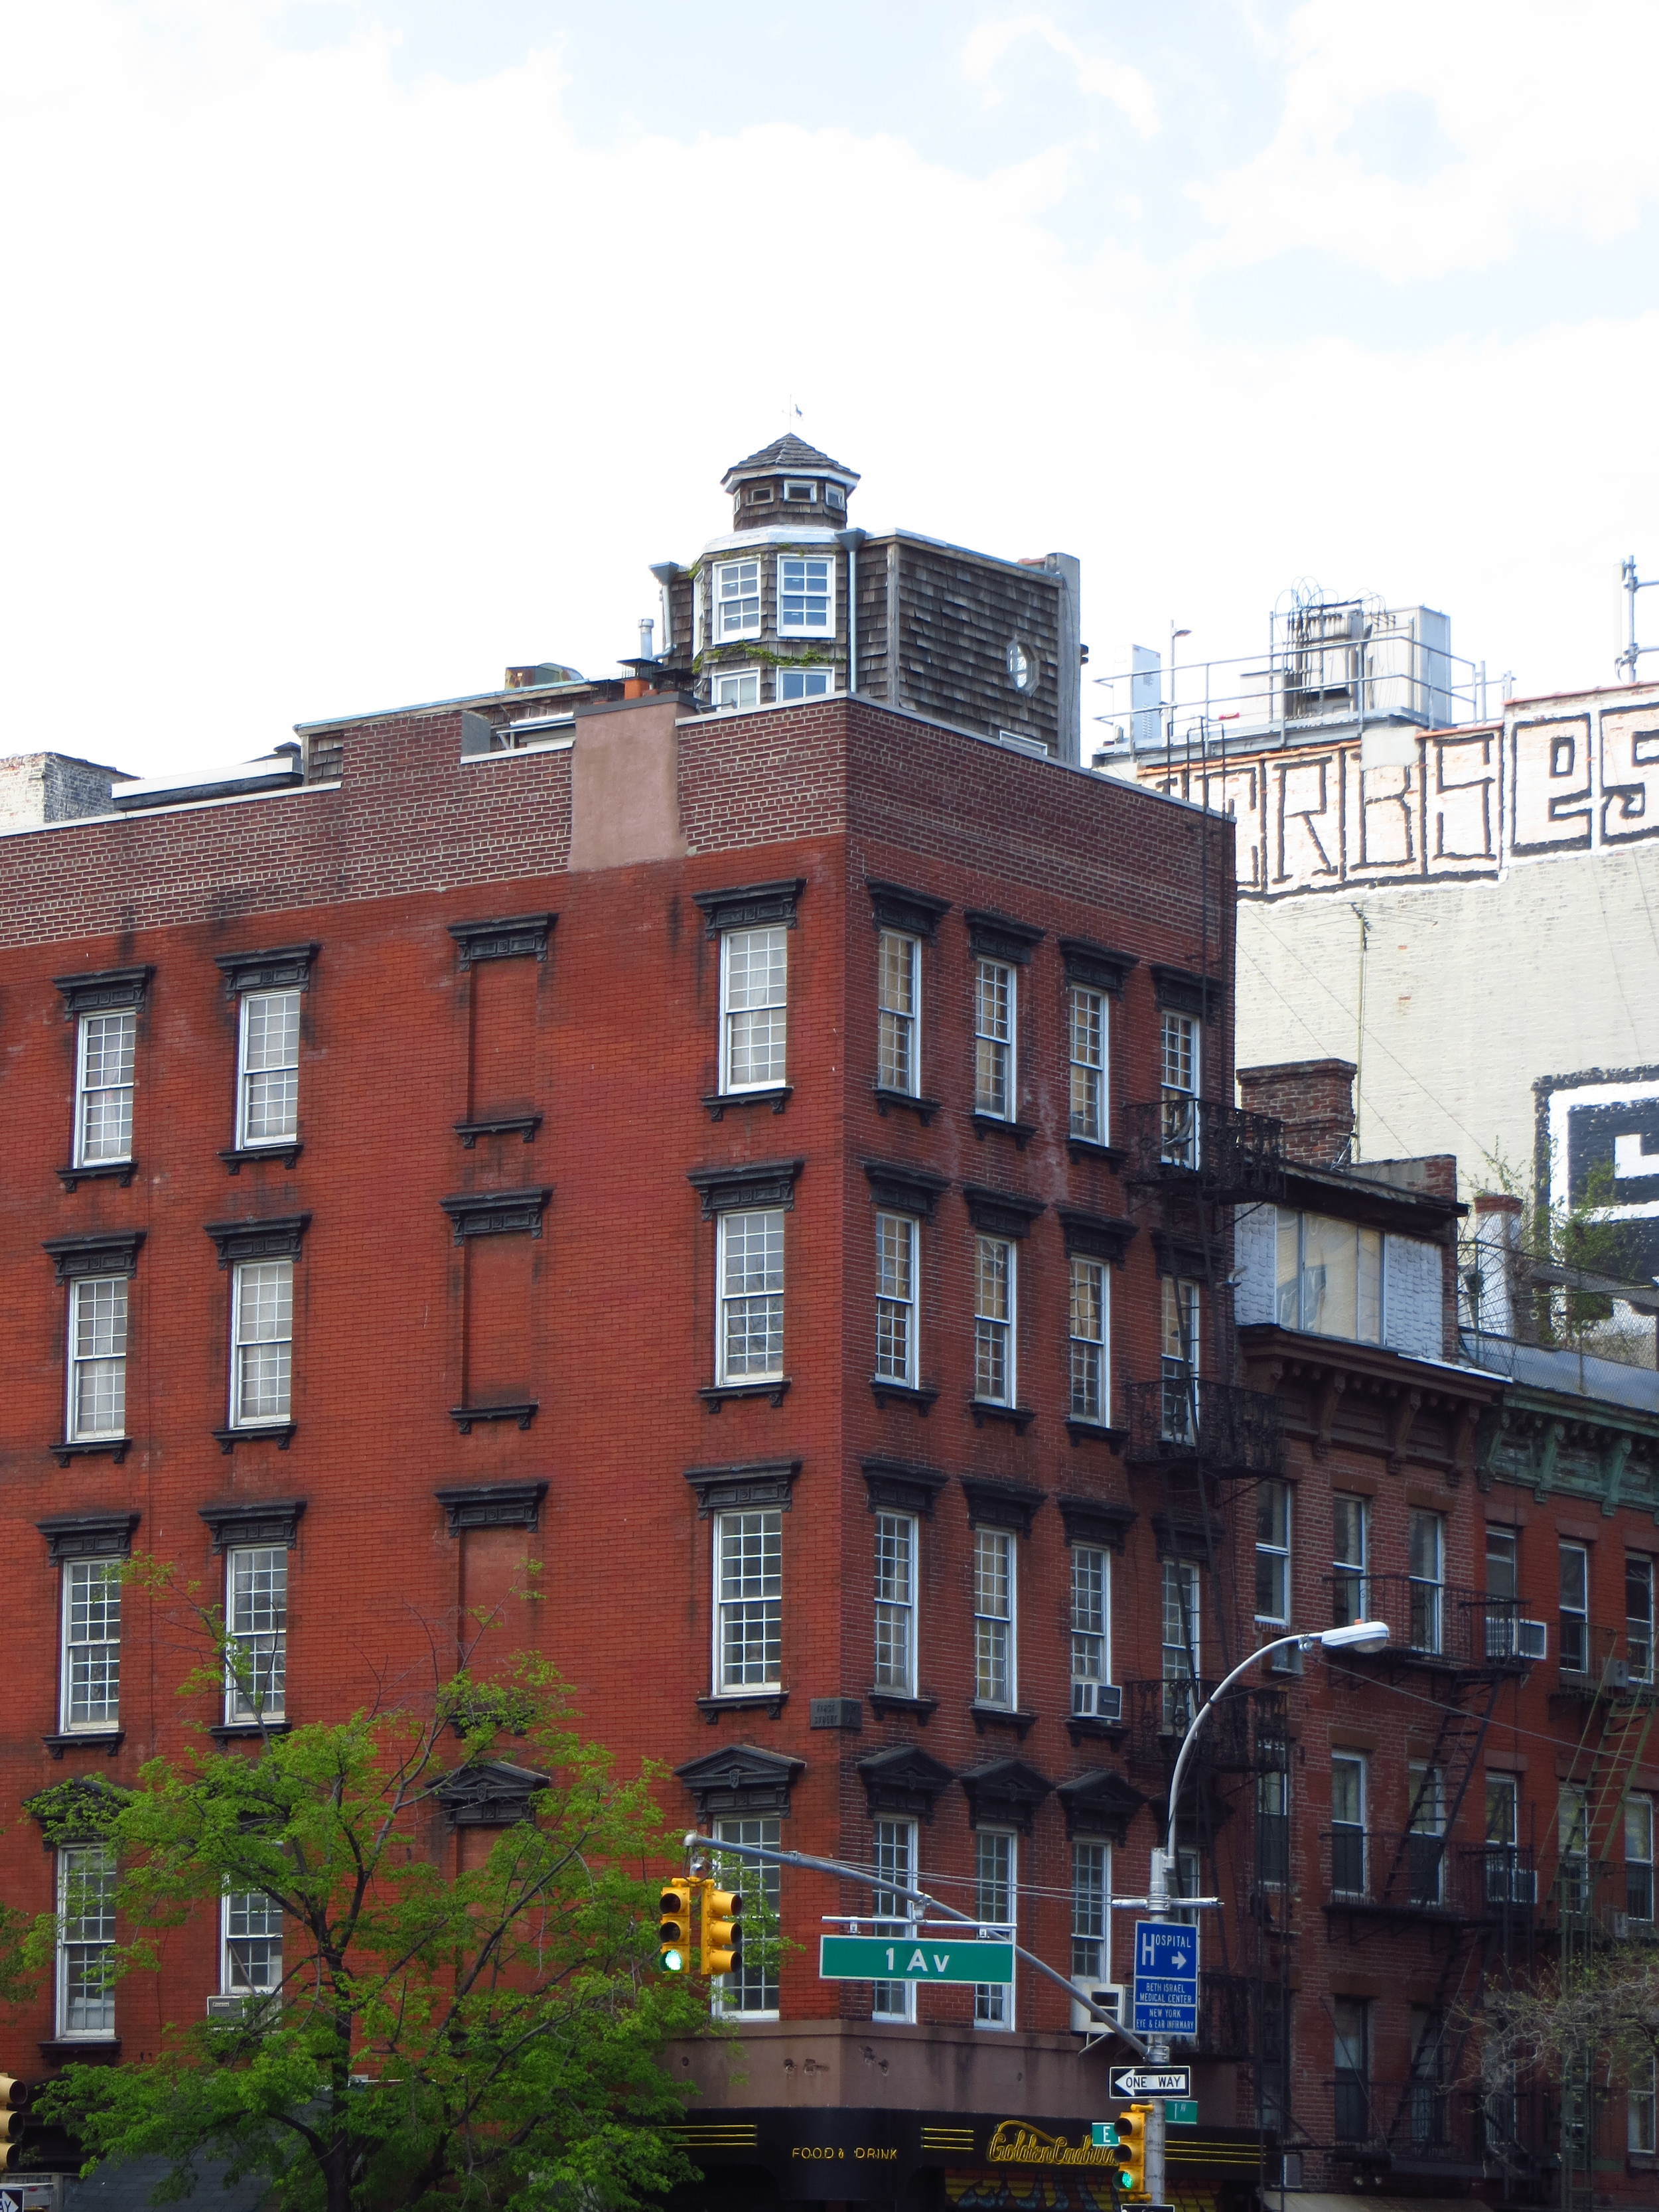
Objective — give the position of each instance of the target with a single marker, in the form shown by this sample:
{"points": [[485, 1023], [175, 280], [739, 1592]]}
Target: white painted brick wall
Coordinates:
{"points": [[1411, 1298]]}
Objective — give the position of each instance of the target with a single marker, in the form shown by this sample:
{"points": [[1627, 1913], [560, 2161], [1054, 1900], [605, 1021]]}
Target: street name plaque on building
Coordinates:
{"points": [[913, 1959], [1166, 1978]]}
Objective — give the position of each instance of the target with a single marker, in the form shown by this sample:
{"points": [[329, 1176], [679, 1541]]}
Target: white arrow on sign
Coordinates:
{"points": [[1146, 2082]]}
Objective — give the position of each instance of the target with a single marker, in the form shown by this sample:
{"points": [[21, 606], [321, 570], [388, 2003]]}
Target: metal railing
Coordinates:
{"points": [[1414, 1871], [1230, 1151], [1247, 1731], [1432, 1620], [1225, 1427]]}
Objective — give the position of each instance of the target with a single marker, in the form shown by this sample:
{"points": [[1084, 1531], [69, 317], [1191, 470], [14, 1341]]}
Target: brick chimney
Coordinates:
{"points": [[1314, 1098]]}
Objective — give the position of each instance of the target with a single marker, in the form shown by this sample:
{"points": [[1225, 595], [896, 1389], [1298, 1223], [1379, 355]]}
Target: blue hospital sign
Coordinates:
{"points": [[1166, 1978]]}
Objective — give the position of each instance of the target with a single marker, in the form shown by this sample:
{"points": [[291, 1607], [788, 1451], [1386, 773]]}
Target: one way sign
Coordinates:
{"points": [[1150, 2081]]}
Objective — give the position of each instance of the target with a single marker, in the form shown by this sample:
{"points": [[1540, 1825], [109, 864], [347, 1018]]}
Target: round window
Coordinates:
{"points": [[1021, 665]]}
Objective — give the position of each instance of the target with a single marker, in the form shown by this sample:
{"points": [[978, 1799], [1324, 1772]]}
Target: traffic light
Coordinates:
{"points": [[722, 1938], [14, 2096], [1129, 2165], [674, 1926]]}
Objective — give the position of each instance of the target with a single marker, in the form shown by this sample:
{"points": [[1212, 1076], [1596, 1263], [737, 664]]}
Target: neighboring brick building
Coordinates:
{"points": [[692, 1151]]}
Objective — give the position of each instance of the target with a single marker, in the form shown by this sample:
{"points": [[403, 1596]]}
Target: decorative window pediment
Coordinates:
{"points": [[751, 906], [1095, 1235], [719, 1489], [105, 991], [508, 937], [1096, 965], [737, 1189], [1004, 1794], [1099, 1804], [917, 914], [1000, 1505], [495, 1794], [896, 1485], [1097, 1521], [254, 1521], [1001, 1213], [88, 1535], [1181, 992], [905, 1780], [283, 968], [280, 1237], [996, 937], [107, 1252], [492, 1506], [1185, 1261], [497, 1212], [904, 1189], [740, 1777]]}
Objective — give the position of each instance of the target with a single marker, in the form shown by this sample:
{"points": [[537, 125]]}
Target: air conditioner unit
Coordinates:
{"points": [[1289, 2170], [1096, 1701], [1619, 1927], [251, 2009], [1531, 1640], [1617, 1674], [1106, 1994], [1287, 1659], [227, 2008]]}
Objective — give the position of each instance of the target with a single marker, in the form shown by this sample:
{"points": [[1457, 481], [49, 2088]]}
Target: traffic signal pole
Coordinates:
{"points": [[888, 1887]]}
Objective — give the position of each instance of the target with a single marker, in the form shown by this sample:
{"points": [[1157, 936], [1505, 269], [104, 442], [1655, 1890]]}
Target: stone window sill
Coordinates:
{"points": [[246, 1731], [904, 1394], [93, 1448], [716, 1394], [120, 1172], [1002, 1716], [80, 2050], [108, 1740], [281, 1433], [770, 1702], [1083, 1728], [1019, 1418], [885, 1704], [1085, 1148], [237, 1156], [1097, 1432], [886, 1100], [1021, 1131], [776, 1096], [523, 1414]]}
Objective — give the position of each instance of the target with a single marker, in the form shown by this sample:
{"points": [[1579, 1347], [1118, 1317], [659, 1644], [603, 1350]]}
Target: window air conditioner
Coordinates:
{"points": [[1096, 1701], [1532, 1639], [227, 2008], [1619, 1927], [1289, 2170], [1617, 1674], [1286, 1661], [1106, 1994], [250, 2008]]}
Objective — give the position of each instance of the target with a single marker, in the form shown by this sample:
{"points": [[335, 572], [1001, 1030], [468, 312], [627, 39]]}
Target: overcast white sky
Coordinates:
{"points": [[356, 348]]}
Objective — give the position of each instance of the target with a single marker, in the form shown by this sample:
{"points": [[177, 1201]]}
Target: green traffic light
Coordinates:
{"points": [[672, 1962]]}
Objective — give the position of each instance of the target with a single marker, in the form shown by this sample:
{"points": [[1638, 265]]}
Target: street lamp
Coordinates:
{"points": [[1356, 1635]]}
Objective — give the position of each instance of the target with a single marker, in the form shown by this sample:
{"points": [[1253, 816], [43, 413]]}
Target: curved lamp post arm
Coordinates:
{"points": [[1159, 1888]]}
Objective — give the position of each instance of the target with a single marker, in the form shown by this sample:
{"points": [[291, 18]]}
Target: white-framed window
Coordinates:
{"points": [[261, 1342], [1503, 1884], [995, 1864], [1091, 1627], [1091, 1918], [1572, 1840], [806, 595], [752, 1991], [896, 1236], [993, 1320], [805, 682], [801, 488], [896, 1604], [754, 1008], [898, 1013], [104, 1046], [1272, 1827], [996, 993], [1186, 1880], [834, 495], [995, 1611], [1575, 1609], [1640, 2132], [256, 1633], [1638, 1615], [1638, 1857], [735, 687], [251, 1944], [1348, 1871], [1272, 1554], [89, 1694], [1178, 1058], [1425, 1838], [749, 1347], [737, 599], [1090, 1309], [748, 1600], [97, 1403], [1330, 1278], [1350, 1531], [1181, 1314], [1180, 1650], [1426, 1562], [86, 1941], [268, 1068], [896, 1859], [1352, 2064], [1089, 1044]]}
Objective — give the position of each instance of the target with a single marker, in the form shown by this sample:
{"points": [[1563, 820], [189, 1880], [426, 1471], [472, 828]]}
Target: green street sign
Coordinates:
{"points": [[1181, 2111], [911, 1959], [1104, 2136]]}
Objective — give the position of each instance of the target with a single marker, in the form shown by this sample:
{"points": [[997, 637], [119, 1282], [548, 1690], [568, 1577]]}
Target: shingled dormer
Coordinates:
{"points": [[788, 482]]}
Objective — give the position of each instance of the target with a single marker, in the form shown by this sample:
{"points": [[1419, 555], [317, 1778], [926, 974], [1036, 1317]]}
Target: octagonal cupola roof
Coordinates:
{"points": [[789, 481]]}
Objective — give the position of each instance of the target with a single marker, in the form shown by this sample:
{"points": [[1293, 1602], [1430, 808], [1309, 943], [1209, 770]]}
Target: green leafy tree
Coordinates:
{"points": [[490, 2037]]}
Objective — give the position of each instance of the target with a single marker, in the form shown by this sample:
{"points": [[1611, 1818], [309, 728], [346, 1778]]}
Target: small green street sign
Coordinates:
{"points": [[910, 1959], [1105, 2136], [1181, 2111]]}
